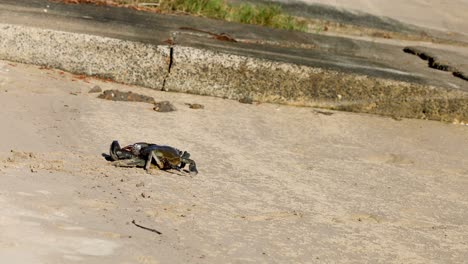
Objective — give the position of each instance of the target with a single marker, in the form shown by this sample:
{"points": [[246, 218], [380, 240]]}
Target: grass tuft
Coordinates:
{"points": [[264, 15]]}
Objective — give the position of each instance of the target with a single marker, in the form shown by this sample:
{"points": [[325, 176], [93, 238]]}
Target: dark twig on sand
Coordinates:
{"points": [[146, 228]]}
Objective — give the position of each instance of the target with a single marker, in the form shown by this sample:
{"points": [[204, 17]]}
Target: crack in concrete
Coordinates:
{"points": [[460, 75], [171, 61], [435, 63], [171, 58]]}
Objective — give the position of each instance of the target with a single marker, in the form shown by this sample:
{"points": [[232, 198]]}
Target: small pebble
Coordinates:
{"points": [[246, 100], [195, 106], [164, 106], [95, 89]]}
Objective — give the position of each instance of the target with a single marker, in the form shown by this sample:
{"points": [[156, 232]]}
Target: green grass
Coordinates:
{"points": [[208, 8], [264, 15]]}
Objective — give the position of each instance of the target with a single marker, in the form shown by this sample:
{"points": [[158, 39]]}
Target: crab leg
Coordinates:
{"points": [[159, 162], [114, 147], [152, 156], [192, 166], [148, 160]]}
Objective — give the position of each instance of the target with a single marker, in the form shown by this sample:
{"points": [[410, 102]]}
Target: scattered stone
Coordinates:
{"points": [[95, 89], [143, 195], [246, 100], [164, 106], [116, 95], [195, 106], [141, 184]]}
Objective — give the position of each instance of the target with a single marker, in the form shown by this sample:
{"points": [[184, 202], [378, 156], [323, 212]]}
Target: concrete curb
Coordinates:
{"points": [[123, 61], [232, 76], [214, 73]]}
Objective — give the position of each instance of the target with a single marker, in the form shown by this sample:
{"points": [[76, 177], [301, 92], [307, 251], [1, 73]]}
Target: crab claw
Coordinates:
{"points": [[185, 155], [114, 147], [118, 153], [193, 169]]}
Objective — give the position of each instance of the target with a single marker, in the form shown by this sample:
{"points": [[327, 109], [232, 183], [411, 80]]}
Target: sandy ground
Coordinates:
{"points": [[436, 14], [277, 184]]}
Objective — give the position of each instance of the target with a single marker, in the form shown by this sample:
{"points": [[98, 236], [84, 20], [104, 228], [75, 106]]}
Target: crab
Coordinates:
{"points": [[142, 154]]}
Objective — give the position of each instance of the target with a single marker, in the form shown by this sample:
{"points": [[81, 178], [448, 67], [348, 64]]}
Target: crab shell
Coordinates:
{"points": [[171, 157], [136, 148], [138, 155]]}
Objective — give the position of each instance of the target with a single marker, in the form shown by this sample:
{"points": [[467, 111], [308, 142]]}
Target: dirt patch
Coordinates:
{"points": [[35, 162], [111, 3], [221, 36], [116, 95]]}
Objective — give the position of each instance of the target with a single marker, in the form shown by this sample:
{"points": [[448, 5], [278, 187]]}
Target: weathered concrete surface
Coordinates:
{"points": [[327, 11], [123, 61], [440, 15], [414, 20], [232, 76], [294, 68], [277, 184]]}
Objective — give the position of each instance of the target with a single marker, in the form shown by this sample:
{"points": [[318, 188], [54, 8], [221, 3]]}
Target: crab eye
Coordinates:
{"points": [[136, 149]]}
